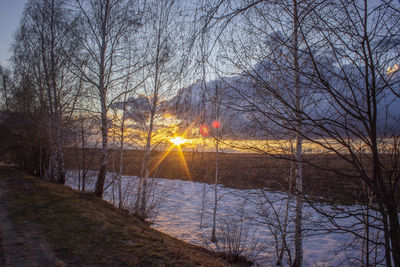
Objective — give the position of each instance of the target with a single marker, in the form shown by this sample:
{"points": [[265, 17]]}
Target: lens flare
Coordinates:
{"points": [[216, 124], [204, 130]]}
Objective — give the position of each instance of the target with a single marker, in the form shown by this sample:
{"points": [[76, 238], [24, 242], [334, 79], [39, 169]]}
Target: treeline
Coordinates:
{"points": [[74, 63]]}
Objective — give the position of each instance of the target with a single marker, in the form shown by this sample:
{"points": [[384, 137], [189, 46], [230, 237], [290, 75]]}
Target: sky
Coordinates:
{"points": [[10, 15]]}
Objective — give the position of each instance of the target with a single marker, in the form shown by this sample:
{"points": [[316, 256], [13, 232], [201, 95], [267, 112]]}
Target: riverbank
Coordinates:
{"points": [[45, 224]]}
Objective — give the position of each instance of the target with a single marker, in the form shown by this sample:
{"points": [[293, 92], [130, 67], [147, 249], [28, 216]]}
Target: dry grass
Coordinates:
{"points": [[241, 170], [85, 231]]}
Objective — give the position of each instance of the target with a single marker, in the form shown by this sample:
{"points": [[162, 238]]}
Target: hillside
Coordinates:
{"points": [[45, 224]]}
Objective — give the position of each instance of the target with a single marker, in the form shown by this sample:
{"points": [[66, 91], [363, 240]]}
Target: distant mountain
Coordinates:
{"points": [[248, 110], [220, 100]]}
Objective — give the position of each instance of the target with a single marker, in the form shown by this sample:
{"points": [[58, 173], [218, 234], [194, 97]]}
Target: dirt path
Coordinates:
{"points": [[21, 245]]}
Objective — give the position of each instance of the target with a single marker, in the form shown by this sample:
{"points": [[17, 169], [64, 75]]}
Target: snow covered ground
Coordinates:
{"points": [[245, 218]]}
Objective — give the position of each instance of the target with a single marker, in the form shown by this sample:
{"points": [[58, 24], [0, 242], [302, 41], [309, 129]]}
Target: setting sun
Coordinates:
{"points": [[178, 140]]}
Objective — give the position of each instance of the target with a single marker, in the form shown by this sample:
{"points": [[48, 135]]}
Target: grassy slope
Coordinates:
{"points": [[83, 230]]}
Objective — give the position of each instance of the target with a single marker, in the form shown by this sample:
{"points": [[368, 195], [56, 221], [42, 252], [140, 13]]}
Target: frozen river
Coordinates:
{"points": [[251, 220]]}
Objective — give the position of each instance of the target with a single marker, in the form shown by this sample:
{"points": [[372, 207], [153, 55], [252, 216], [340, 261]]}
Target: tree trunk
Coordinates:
{"points": [[217, 110], [213, 234], [298, 244], [394, 233], [104, 157], [121, 156], [103, 102], [84, 171], [284, 245], [144, 174], [299, 206], [103, 166]]}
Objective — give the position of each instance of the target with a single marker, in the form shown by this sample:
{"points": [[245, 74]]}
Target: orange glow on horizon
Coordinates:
{"points": [[166, 153]]}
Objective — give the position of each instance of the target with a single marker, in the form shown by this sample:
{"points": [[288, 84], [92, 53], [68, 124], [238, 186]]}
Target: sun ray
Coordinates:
{"points": [[172, 146], [166, 153], [184, 163]]}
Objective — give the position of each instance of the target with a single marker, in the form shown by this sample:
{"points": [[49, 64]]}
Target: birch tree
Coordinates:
{"points": [[266, 54], [44, 45], [106, 23], [359, 78], [166, 51]]}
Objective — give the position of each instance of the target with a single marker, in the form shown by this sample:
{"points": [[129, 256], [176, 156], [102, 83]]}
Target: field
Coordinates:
{"points": [[236, 170]]}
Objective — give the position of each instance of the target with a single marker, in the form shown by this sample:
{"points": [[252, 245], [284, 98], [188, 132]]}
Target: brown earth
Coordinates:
{"points": [[45, 224], [237, 170]]}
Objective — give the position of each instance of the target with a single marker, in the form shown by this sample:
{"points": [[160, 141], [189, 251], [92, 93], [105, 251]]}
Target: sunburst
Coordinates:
{"points": [[177, 142]]}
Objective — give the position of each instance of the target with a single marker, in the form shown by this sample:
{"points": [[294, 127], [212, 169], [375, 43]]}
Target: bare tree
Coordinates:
{"points": [[44, 44], [107, 23], [354, 57], [84, 131], [216, 125], [270, 87], [166, 62], [121, 121]]}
